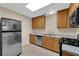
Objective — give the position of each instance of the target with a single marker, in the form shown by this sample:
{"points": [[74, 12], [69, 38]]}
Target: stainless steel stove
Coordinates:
{"points": [[69, 44]]}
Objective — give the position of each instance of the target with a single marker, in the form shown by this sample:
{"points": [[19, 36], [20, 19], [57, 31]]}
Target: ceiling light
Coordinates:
{"points": [[36, 6], [52, 12]]}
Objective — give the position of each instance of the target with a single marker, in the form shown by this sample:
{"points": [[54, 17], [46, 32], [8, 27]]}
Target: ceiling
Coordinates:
{"points": [[20, 8]]}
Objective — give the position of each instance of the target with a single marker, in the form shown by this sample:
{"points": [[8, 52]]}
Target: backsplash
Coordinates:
{"points": [[72, 31]]}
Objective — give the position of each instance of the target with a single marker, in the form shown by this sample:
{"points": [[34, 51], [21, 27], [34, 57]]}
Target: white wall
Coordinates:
{"points": [[51, 26], [26, 23]]}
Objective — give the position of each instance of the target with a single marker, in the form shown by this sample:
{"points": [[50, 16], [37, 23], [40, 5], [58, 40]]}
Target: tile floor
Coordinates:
{"points": [[33, 50]]}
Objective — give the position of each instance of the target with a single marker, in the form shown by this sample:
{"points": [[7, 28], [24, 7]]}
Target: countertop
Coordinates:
{"points": [[57, 35]]}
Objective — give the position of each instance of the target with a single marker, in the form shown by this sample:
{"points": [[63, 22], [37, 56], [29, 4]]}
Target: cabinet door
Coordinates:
{"points": [[38, 22], [62, 17], [56, 44], [67, 17], [32, 39], [72, 8], [41, 22], [47, 42], [44, 42], [34, 23], [59, 19], [50, 43]]}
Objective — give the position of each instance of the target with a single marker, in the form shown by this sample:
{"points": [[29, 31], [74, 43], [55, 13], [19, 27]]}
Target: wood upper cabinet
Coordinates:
{"points": [[67, 19], [72, 8], [56, 45], [63, 18], [38, 22], [32, 39]]}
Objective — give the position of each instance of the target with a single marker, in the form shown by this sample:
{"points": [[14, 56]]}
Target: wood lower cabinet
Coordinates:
{"points": [[47, 42], [51, 43], [44, 41], [38, 22], [56, 45], [67, 53], [32, 39]]}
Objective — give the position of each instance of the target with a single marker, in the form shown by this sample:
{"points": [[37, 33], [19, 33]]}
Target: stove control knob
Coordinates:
{"points": [[76, 43]]}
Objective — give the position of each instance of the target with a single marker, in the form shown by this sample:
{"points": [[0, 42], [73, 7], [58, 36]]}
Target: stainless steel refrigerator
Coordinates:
{"points": [[10, 37]]}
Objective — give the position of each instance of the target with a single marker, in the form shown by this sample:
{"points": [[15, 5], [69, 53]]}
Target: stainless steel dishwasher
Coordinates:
{"points": [[38, 40]]}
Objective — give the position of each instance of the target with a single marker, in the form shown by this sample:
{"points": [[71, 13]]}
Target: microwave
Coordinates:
{"points": [[74, 18]]}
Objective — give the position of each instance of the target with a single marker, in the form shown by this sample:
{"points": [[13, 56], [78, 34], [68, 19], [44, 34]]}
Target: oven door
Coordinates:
{"points": [[68, 50]]}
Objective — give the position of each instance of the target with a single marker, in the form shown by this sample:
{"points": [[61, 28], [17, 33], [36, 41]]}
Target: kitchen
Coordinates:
{"points": [[53, 28], [64, 30]]}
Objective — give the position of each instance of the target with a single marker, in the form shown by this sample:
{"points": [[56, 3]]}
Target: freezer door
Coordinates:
{"points": [[8, 25], [11, 43]]}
